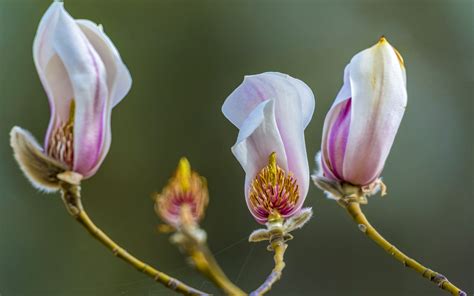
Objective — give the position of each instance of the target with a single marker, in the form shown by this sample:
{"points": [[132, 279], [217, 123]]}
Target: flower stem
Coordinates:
{"points": [[70, 194], [278, 245], [207, 265], [353, 208]]}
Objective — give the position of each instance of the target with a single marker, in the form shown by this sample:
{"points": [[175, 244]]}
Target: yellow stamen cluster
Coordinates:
{"points": [[273, 193], [61, 142]]}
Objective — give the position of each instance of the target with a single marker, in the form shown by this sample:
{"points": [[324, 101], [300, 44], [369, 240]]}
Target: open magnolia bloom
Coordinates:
{"points": [[361, 125], [272, 110], [84, 78]]}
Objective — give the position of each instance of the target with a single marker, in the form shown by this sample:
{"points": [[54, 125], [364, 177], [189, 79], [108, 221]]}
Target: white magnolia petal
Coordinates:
{"points": [[243, 100], [42, 49], [291, 120], [50, 69], [258, 88], [76, 61], [258, 138], [88, 78], [345, 91], [119, 80], [304, 93], [294, 106], [379, 99]]}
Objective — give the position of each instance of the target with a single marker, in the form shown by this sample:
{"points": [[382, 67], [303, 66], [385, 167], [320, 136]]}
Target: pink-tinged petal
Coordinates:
{"points": [[332, 116], [119, 80], [379, 100], [291, 120], [304, 93], [240, 103], [51, 70], [258, 138], [84, 77], [361, 125], [337, 137], [87, 75], [243, 100]]}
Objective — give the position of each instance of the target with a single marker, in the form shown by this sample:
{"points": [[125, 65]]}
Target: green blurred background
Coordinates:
{"points": [[185, 58]]}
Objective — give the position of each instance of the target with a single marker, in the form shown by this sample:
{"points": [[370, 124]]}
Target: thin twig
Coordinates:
{"points": [[353, 208], [72, 199], [207, 265], [278, 246]]}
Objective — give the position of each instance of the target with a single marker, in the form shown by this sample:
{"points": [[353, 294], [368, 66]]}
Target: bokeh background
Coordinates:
{"points": [[185, 58]]}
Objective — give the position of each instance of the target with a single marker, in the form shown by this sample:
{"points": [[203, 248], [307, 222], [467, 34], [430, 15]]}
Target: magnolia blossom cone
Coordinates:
{"points": [[84, 78], [271, 111], [361, 125]]}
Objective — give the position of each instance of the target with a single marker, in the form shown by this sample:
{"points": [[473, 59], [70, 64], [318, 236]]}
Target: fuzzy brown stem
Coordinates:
{"points": [[72, 199], [353, 208]]}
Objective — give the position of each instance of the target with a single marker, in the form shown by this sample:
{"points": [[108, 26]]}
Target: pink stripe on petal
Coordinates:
{"points": [[90, 142], [338, 136], [326, 171]]}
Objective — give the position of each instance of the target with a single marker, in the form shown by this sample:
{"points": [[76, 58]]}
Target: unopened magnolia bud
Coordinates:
{"points": [[361, 125], [184, 199]]}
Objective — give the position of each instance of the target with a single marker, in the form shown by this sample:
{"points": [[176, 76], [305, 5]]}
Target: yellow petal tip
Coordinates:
{"points": [[383, 41]]}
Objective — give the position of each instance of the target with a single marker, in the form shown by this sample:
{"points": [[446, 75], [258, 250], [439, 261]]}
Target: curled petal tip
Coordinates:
{"points": [[383, 41]]}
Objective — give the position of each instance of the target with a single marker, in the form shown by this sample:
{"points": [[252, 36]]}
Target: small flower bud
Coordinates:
{"points": [[184, 199]]}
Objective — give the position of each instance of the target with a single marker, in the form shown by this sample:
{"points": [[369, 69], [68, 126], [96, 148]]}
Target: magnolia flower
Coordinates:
{"points": [[184, 200], [360, 127], [272, 110], [84, 78]]}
